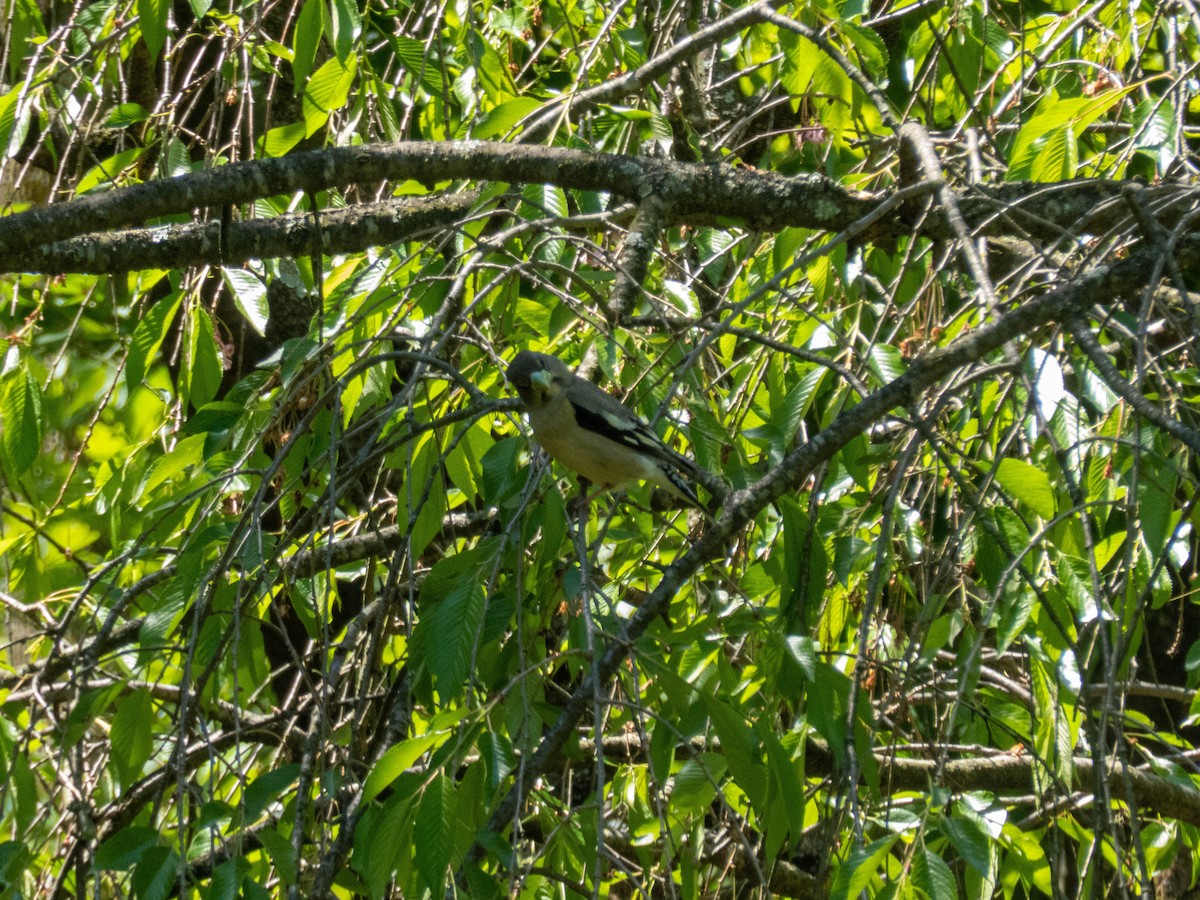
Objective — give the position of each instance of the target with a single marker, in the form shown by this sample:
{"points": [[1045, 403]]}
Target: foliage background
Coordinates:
{"points": [[293, 606]]}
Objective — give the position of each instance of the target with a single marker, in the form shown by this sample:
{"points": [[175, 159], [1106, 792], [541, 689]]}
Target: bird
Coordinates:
{"points": [[592, 433]]}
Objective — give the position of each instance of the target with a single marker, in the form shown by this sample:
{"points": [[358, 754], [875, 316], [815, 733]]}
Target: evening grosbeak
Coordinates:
{"points": [[592, 433]]}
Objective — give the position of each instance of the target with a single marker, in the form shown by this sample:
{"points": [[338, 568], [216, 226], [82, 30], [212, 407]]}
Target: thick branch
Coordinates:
{"points": [[767, 200], [690, 192], [178, 246]]}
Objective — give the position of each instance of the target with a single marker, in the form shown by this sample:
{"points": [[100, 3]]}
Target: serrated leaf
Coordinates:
{"points": [[327, 91], [131, 736], [453, 627], [344, 25], [152, 16], [434, 832], [544, 199], [420, 61], [127, 114], [932, 875], [396, 761], [264, 789], [250, 295], [278, 141], [501, 121], [855, 874], [148, 337], [122, 851], [871, 49], [800, 57], [695, 784], [306, 39], [739, 748], [1058, 156], [24, 20], [10, 135], [282, 854], [1107, 548], [886, 363], [1028, 484], [969, 841], [23, 420], [156, 874], [204, 359], [803, 650]]}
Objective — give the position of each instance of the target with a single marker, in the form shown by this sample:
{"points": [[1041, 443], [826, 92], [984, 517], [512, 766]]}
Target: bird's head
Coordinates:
{"points": [[534, 375]]}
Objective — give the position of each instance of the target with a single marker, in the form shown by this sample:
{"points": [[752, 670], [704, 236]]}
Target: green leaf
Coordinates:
{"points": [[382, 843], [21, 777], [10, 135], [152, 15], [1108, 547], [500, 121], [250, 295], [1016, 607], [23, 421], [420, 61], [695, 784], [871, 49], [344, 25], [306, 39], [787, 800], [397, 760], [132, 738], [827, 705], [1075, 579], [205, 363], [148, 337], [109, 172], [932, 875], [157, 873], [188, 452], [1156, 490], [433, 835], [800, 57], [1028, 484], [24, 21], [1052, 738], [1057, 157], [14, 859], [123, 850], [969, 841], [264, 789], [788, 415], [855, 874], [803, 650], [327, 91], [806, 564], [282, 854], [452, 628], [738, 745], [1060, 119], [225, 880], [424, 484], [278, 141], [544, 200], [127, 114], [886, 363]]}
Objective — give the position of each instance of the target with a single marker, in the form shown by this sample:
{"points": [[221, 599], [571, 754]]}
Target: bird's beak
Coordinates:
{"points": [[541, 378]]}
